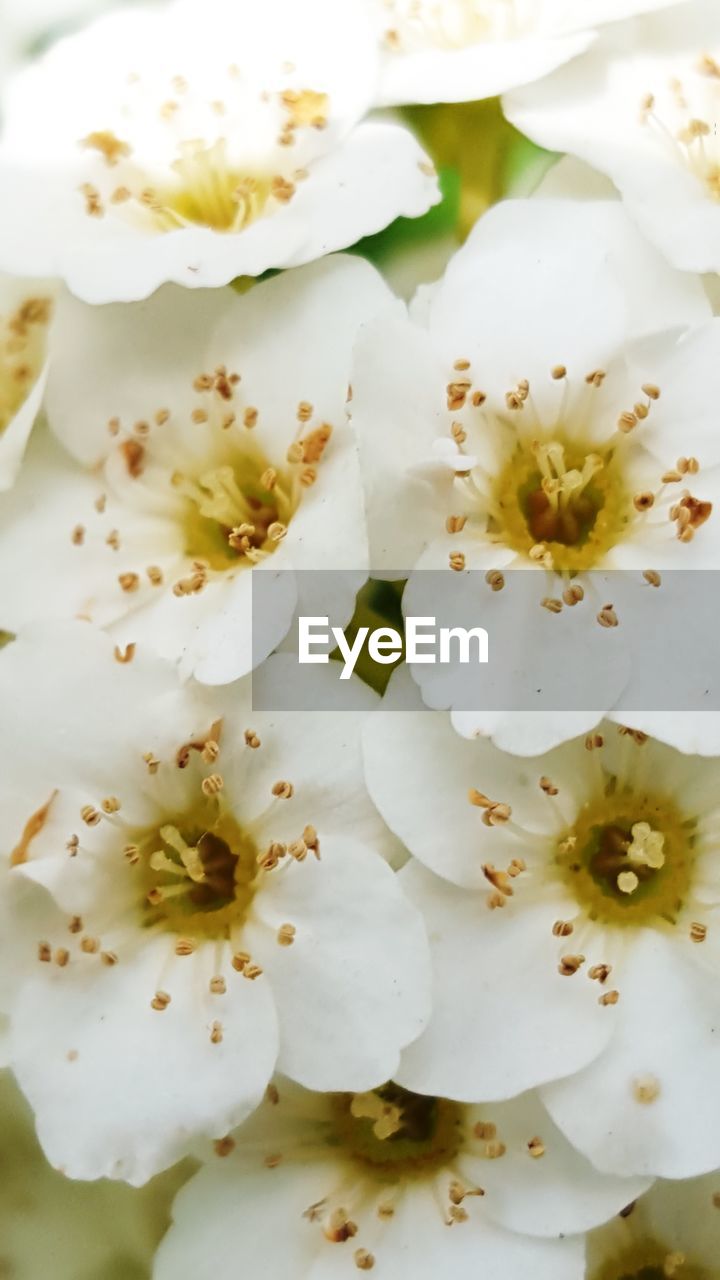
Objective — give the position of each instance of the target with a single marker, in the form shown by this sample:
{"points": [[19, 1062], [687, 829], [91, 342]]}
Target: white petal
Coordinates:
{"points": [[478, 71], [666, 1040], [353, 988], [554, 1194], [118, 1088], [504, 1019]]}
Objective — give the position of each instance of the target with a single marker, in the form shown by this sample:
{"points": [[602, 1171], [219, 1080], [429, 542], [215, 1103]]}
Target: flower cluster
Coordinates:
{"points": [[375, 976]]}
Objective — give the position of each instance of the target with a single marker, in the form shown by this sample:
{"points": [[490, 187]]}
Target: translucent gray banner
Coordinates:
{"points": [[602, 641]]}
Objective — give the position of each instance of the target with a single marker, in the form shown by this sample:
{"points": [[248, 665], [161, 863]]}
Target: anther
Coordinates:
{"points": [[455, 524], [570, 964], [160, 1001], [562, 929], [698, 932], [573, 595], [286, 935], [283, 790], [216, 1033], [610, 998], [218, 986], [536, 1148], [212, 785], [495, 579]]}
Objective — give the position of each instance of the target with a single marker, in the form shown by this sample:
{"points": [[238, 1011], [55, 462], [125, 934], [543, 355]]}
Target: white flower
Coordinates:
{"points": [[672, 1232], [210, 442], [549, 406], [572, 906], [51, 1226], [196, 893], [642, 107], [24, 315], [200, 141], [391, 1182], [462, 50]]}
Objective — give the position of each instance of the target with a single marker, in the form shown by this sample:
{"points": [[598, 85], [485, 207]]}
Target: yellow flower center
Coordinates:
{"points": [[237, 511], [396, 1132], [629, 857], [199, 871], [561, 496]]}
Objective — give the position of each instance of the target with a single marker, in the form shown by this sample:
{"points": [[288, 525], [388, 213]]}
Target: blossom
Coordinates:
{"points": [[209, 443], [197, 142], [392, 1182], [547, 406], [571, 904], [463, 50], [24, 315], [641, 107], [51, 1225], [196, 893], [673, 1231]]}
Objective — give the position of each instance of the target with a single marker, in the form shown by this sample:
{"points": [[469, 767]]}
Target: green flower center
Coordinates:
{"points": [[567, 499], [648, 1260], [397, 1132], [629, 857]]}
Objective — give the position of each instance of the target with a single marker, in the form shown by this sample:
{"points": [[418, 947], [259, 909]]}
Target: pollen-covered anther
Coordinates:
{"points": [[160, 1001], [129, 581], [698, 932], [184, 947], [218, 986], [595, 378], [44, 952], [562, 928], [77, 537], [224, 1146], [570, 964], [111, 148], [547, 786], [607, 616], [637, 735], [495, 579], [212, 785], [364, 1260], [643, 501], [298, 850], [458, 433], [536, 1148], [90, 946], [339, 1227], [651, 390], [283, 790], [111, 805], [251, 739], [286, 935], [516, 867], [627, 422], [494, 1150], [216, 1033], [455, 524], [132, 853], [457, 393], [541, 554], [108, 958], [252, 971], [573, 595], [646, 1089], [61, 957], [310, 836], [558, 372], [153, 764], [240, 961], [123, 656], [552, 604], [499, 880], [90, 815], [456, 560], [609, 998], [599, 973], [210, 751]]}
